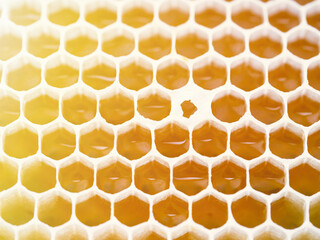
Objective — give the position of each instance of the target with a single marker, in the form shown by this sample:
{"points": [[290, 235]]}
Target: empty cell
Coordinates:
{"points": [[192, 43], [267, 177], [152, 176], [228, 177], [117, 107], [101, 15], [135, 74], [72, 232], [228, 106], [286, 141], [190, 176], [231, 234], [54, 209], [172, 74], [93, 210], [284, 17], [172, 139], [249, 211], [138, 15], [76, 175], [313, 75], [131, 210], [188, 108], [314, 212], [266, 106], [10, 45], [134, 141], [63, 14], [247, 74], [209, 74], [210, 212], [20, 141], [303, 44], [9, 108], [111, 233], [313, 17], [305, 178], [17, 207], [34, 231], [58, 142], [248, 141], [314, 142], [306, 234], [170, 210], [154, 104], [38, 175], [8, 174], [41, 43], [247, 15], [210, 15], [285, 75], [118, 42], [174, 13], [265, 43], [155, 43], [25, 14], [288, 211], [114, 176], [229, 42], [270, 233]]}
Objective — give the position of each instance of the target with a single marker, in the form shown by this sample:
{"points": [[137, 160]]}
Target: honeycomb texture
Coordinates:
{"points": [[159, 119]]}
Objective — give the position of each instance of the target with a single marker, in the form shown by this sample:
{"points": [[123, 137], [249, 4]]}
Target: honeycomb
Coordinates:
{"points": [[159, 119]]}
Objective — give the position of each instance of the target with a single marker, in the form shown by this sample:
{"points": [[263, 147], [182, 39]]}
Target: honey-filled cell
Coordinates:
{"points": [[10, 45], [228, 43], [8, 174], [34, 231], [25, 14], [174, 14], [118, 42], [9, 108], [43, 45], [303, 44], [210, 16], [190, 235], [82, 42], [72, 232], [101, 16], [248, 16], [265, 45], [63, 15], [150, 235], [284, 17], [138, 15]]}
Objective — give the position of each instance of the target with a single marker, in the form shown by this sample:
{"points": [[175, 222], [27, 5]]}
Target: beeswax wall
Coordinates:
{"points": [[159, 119]]}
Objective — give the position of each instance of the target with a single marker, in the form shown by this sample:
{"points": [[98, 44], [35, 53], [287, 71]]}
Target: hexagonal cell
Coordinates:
{"points": [[210, 14], [25, 14], [303, 2], [314, 212], [209, 73], [305, 178], [190, 176], [54, 209], [286, 141], [303, 44], [72, 232], [173, 74], [270, 233], [10, 45], [313, 17], [20, 140], [314, 142], [229, 42], [137, 15], [8, 174], [285, 75], [58, 142], [76, 175], [155, 42], [34, 231], [134, 141], [117, 107], [152, 176], [99, 74], [309, 234], [41, 107], [81, 41], [96, 140], [154, 104], [63, 13], [247, 15], [172, 140], [188, 108], [135, 74], [249, 211], [209, 139], [101, 14], [79, 108], [38, 175], [17, 206], [248, 141], [228, 177], [113, 232], [313, 75], [228, 106], [247, 74], [192, 43], [303, 107], [284, 16], [267, 176], [93, 210], [170, 210], [189, 234], [266, 106], [114, 176], [149, 234], [174, 13], [118, 42], [9, 108], [231, 234], [265, 43], [210, 212], [131, 210], [23, 74], [288, 211]]}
